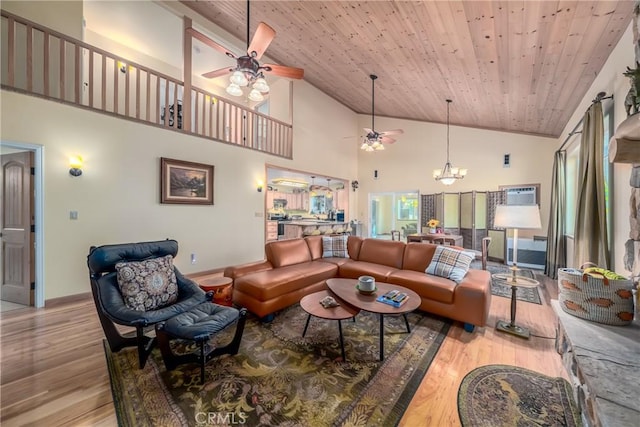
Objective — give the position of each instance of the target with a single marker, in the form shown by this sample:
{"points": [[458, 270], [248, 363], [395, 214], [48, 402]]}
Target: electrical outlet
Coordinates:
{"points": [[193, 259], [73, 214]]}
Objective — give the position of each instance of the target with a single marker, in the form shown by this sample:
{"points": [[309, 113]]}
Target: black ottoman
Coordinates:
{"points": [[199, 324]]}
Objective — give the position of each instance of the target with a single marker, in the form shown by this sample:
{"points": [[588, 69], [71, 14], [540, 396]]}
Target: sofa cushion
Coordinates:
{"points": [[427, 286], [450, 263], [383, 252], [417, 256], [287, 252], [354, 243], [354, 269], [334, 247], [265, 285], [149, 284], [315, 246]]}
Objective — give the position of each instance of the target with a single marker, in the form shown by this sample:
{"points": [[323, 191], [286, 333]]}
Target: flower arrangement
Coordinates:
{"points": [[433, 223]]}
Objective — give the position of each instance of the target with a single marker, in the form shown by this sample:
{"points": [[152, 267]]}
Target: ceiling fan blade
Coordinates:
{"points": [[261, 40], [367, 130], [217, 73], [387, 140], [206, 40], [282, 71], [392, 132]]}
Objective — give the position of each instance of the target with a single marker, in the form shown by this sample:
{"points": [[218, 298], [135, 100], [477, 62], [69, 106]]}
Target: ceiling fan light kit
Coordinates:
{"points": [[448, 175], [248, 71], [373, 141]]}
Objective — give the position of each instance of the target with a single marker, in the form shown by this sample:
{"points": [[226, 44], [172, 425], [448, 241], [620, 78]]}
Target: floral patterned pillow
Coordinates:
{"points": [[147, 285]]}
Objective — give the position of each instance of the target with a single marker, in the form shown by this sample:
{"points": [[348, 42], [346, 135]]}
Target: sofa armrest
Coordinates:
{"points": [[253, 267], [473, 296]]}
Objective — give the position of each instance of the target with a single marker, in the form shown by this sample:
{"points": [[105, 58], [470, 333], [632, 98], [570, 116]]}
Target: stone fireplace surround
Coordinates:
{"points": [[603, 363]]}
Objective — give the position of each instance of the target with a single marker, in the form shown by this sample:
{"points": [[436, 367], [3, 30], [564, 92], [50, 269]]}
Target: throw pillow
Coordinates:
{"points": [[149, 284], [335, 246], [450, 263]]}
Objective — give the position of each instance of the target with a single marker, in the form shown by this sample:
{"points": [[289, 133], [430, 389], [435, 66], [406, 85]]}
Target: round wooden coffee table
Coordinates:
{"points": [[345, 290], [311, 304]]}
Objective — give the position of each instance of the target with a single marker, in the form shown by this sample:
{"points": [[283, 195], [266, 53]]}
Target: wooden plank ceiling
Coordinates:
{"points": [[520, 66]]}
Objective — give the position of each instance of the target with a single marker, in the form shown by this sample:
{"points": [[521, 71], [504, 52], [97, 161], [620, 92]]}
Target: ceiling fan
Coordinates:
{"points": [[373, 140], [248, 71]]}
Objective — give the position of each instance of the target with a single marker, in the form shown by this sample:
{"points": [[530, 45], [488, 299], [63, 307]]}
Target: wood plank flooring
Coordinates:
{"points": [[53, 370]]}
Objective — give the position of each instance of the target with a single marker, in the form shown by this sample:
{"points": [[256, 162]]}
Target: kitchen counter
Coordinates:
{"points": [[303, 222], [301, 228]]}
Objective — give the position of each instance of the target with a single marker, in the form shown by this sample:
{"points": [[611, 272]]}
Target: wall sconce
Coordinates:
{"points": [[260, 185], [354, 185], [76, 165]]}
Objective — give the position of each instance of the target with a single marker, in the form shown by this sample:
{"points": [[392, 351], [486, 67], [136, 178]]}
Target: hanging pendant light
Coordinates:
{"points": [[448, 175]]}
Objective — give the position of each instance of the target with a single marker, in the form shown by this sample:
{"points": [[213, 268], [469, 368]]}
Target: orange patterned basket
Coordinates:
{"points": [[597, 299]]}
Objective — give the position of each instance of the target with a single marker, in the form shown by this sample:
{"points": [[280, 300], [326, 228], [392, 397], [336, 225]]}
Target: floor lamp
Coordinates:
{"points": [[517, 217]]}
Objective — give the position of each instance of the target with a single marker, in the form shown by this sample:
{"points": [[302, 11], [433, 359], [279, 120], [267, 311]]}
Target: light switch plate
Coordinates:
{"points": [[73, 214]]}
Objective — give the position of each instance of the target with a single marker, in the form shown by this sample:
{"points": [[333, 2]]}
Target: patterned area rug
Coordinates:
{"points": [[501, 395], [280, 378], [523, 294]]}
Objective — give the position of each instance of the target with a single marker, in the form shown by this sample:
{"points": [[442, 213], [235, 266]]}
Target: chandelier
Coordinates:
{"points": [[448, 175]]}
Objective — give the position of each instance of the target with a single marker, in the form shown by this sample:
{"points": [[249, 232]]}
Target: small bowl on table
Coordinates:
{"points": [[366, 285]]}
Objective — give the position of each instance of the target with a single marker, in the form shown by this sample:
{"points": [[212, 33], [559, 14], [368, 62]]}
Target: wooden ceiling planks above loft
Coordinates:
{"points": [[520, 66]]}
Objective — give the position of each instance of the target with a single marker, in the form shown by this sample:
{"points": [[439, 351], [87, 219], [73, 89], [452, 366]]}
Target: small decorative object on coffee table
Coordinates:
{"points": [[366, 285]]}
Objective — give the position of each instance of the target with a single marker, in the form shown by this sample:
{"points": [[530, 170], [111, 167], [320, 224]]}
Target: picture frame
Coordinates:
{"points": [[183, 182]]}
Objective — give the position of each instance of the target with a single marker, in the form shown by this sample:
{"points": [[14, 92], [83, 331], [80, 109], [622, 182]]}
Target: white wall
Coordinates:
{"points": [[117, 196], [63, 16], [611, 80], [409, 163]]}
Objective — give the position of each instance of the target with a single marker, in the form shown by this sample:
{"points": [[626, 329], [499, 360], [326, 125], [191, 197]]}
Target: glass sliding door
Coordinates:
{"points": [[393, 211]]}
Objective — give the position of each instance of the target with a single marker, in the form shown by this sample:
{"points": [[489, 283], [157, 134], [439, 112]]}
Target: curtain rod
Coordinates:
{"points": [[599, 97]]}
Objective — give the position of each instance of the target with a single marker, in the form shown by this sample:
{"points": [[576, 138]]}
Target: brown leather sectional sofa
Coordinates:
{"points": [[295, 268]]}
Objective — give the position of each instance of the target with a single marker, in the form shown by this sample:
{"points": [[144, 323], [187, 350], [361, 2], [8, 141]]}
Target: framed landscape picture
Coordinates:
{"points": [[185, 182]]}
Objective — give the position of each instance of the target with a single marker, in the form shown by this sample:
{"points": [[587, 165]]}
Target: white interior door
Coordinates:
{"points": [[16, 265]]}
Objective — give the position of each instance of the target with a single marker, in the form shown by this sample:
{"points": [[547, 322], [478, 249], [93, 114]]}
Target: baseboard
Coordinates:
{"points": [[69, 299], [213, 272]]}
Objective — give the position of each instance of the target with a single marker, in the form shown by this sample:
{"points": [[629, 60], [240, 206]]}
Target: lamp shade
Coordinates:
{"points": [[517, 216], [234, 90]]}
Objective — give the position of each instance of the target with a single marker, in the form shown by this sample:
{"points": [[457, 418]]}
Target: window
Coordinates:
{"points": [[407, 208], [393, 211]]}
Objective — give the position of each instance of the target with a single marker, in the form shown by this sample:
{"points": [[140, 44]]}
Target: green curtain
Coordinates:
{"points": [[591, 240], [556, 249]]}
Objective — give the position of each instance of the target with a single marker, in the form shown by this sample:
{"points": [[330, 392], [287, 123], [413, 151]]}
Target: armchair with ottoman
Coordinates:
{"points": [[298, 267], [136, 285]]}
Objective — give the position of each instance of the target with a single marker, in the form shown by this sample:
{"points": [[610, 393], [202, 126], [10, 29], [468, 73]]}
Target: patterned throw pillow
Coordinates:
{"points": [[147, 285], [450, 263], [335, 246]]}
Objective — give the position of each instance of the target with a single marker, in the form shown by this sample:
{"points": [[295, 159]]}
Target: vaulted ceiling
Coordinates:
{"points": [[520, 66]]}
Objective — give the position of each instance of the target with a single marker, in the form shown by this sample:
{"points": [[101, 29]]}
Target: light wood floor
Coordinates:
{"points": [[53, 369]]}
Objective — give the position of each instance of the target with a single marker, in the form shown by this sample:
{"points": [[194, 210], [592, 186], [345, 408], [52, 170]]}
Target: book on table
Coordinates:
{"points": [[394, 298]]}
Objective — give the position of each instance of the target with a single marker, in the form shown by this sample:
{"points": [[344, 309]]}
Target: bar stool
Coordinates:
{"points": [[395, 235]]}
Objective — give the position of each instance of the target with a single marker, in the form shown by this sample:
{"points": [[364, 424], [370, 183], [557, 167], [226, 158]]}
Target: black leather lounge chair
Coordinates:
{"points": [[109, 301]]}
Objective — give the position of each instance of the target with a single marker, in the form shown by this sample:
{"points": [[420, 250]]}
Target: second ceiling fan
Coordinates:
{"points": [[374, 140], [248, 71]]}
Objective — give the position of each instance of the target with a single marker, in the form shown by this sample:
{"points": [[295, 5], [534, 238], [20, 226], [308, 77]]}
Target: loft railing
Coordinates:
{"points": [[42, 62]]}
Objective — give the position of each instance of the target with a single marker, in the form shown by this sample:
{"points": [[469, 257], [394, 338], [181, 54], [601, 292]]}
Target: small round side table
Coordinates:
{"points": [[222, 288], [515, 281]]}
